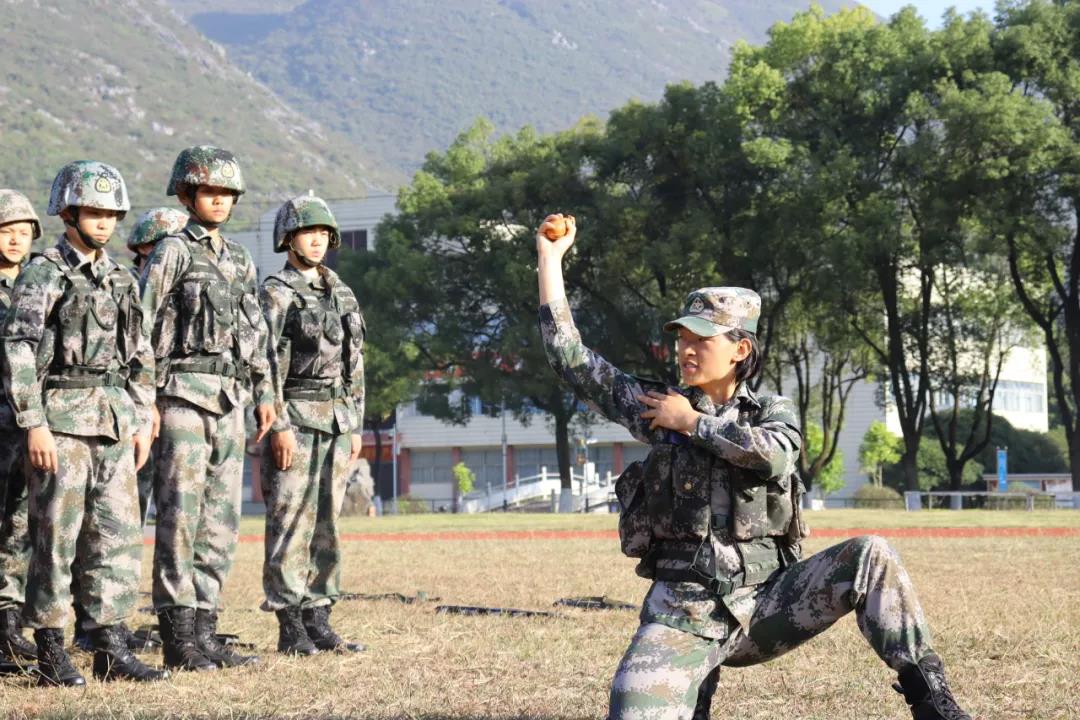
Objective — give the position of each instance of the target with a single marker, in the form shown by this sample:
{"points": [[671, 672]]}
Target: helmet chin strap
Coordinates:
{"points": [[87, 240]]}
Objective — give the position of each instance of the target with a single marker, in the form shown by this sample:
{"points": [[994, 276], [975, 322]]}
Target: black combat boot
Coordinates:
{"points": [[178, 643], [114, 661], [13, 645], [292, 637], [925, 689], [317, 624], [54, 665], [211, 646]]}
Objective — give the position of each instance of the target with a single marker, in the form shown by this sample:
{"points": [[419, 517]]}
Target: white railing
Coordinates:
{"points": [[913, 499], [591, 491]]}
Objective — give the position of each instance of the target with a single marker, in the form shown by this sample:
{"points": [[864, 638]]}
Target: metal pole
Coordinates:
{"points": [[504, 469], [393, 452]]}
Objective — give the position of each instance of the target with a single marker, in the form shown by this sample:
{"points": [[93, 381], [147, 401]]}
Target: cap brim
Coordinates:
{"points": [[697, 325]]}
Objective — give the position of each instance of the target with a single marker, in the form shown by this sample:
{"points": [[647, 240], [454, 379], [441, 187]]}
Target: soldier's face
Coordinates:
{"points": [[97, 223], [15, 241], [214, 204], [312, 242], [704, 361]]}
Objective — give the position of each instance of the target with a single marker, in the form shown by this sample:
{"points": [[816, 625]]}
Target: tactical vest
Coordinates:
{"points": [[212, 315], [98, 329], [666, 517], [319, 332]]}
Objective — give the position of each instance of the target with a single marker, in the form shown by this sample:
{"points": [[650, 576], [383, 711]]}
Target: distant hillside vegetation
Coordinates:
{"points": [[131, 83], [403, 77]]}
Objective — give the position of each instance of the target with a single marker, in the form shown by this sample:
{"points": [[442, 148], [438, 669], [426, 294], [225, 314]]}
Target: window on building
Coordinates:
{"points": [[528, 461], [428, 467], [604, 458], [632, 452], [486, 464], [354, 240]]}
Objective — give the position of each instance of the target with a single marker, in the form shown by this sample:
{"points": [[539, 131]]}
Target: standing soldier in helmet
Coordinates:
{"points": [[317, 334], [153, 225], [78, 369], [209, 337], [19, 228]]}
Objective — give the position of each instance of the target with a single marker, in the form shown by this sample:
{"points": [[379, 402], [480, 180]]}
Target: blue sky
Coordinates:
{"points": [[932, 10]]}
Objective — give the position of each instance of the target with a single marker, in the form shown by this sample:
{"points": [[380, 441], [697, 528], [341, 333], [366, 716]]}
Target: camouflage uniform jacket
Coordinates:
{"points": [[317, 335], [45, 359], [201, 298], [7, 415], [738, 450]]}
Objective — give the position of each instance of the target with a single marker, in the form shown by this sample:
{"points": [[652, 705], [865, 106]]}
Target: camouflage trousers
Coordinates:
{"points": [[662, 670], [14, 523], [84, 522], [198, 474], [303, 553]]}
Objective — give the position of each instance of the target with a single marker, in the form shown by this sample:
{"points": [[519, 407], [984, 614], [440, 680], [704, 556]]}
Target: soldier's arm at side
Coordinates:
{"points": [[140, 385], [355, 381], [160, 273], [262, 372], [37, 290], [770, 448], [275, 299]]}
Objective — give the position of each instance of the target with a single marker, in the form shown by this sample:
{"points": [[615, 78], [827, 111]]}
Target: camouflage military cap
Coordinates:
{"points": [[16, 207], [206, 165], [155, 224], [715, 310], [88, 183], [303, 212]]}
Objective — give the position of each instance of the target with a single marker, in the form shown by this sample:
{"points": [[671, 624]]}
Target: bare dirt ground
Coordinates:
{"points": [[1004, 609]]}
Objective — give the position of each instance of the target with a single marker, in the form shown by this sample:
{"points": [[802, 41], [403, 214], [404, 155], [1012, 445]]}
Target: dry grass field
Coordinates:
{"points": [[1005, 611]]}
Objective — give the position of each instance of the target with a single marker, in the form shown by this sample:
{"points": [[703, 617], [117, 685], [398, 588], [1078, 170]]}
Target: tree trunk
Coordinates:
{"points": [[562, 452], [1074, 461], [376, 464], [909, 463]]}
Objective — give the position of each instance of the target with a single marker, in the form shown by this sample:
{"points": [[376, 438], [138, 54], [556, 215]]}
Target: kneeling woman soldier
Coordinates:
{"points": [[713, 514]]}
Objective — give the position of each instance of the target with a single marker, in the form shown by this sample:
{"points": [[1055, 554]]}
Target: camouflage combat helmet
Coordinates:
{"points": [[303, 212], [16, 207], [206, 165], [88, 183], [156, 224]]}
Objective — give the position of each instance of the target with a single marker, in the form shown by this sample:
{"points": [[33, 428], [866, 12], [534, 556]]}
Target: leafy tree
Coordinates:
{"points": [[830, 477], [464, 478], [879, 447], [1036, 44]]}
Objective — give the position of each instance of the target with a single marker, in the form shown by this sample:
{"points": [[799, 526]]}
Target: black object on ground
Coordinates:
{"points": [[420, 597], [474, 610], [595, 602]]}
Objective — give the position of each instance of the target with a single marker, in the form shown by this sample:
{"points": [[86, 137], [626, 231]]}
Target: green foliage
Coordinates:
{"points": [[879, 448], [831, 477], [408, 505], [878, 498], [1041, 502], [131, 85], [464, 478]]}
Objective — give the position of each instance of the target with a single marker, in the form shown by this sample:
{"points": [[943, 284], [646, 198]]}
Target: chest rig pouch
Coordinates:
{"points": [[98, 329], [666, 518], [214, 317]]}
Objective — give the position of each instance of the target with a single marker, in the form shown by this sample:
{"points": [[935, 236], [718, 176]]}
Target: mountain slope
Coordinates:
{"points": [[130, 83], [402, 77]]}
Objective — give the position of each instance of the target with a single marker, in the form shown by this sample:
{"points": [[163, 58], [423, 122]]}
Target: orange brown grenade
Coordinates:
{"points": [[554, 226]]}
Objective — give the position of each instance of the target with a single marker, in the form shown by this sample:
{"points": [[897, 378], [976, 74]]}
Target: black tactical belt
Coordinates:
{"points": [[688, 572], [78, 377], [209, 366], [298, 388]]}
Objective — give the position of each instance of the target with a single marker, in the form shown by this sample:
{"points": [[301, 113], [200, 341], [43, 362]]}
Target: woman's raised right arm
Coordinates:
{"points": [[609, 391]]}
